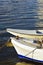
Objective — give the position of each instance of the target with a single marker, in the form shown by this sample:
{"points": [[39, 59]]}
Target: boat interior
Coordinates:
{"points": [[29, 42]]}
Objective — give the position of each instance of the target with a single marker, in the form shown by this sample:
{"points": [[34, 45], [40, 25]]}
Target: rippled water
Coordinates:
{"points": [[23, 14]]}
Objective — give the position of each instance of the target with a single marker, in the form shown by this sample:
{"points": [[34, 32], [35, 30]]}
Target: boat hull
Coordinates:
{"points": [[25, 33], [26, 52], [29, 59]]}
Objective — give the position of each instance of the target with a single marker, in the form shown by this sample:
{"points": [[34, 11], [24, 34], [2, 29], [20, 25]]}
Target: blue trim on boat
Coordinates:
{"points": [[31, 59]]}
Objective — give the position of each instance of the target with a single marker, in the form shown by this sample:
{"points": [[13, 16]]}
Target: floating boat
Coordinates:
{"points": [[28, 49], [28, 44], [26, 33]]}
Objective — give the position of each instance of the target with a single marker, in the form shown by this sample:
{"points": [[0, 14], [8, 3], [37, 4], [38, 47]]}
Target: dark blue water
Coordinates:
{"points": [[21, 14]]}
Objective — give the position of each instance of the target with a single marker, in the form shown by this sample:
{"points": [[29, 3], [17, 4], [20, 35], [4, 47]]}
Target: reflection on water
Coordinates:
{"points": [[8, 54], [40, 13], [39, 24]]}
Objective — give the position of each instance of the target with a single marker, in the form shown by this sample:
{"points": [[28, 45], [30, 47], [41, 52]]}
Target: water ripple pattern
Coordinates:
{"points": [[21, 14]]}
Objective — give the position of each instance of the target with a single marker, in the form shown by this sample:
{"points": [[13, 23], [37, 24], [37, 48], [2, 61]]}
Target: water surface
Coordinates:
{"points": [[22, 14]]}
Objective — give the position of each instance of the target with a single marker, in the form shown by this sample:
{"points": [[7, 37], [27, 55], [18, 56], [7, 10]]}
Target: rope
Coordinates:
{"points": [[31, 52]]}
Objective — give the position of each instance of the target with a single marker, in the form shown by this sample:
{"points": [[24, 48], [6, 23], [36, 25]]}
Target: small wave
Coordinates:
{"points": [[2, 31]]}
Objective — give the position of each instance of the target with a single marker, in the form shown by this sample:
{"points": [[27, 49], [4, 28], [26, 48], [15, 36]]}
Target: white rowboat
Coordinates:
{"points": [[28, 49], [26, 33]]}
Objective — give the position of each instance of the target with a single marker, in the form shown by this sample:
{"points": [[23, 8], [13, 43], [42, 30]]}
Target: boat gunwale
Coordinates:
{"points": [[37, 34], [34, 46]]}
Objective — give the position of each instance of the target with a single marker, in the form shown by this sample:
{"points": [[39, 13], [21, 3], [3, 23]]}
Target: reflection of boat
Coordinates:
{"points": [[26, 33], [26, 46], [28, 49]]}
